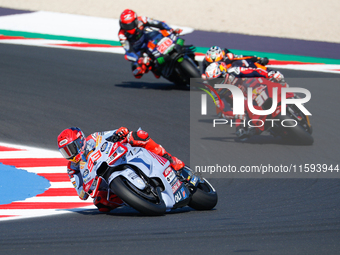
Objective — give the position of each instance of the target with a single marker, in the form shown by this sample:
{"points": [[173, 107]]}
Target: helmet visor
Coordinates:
{"points": [[129, 26], [71, 150]]}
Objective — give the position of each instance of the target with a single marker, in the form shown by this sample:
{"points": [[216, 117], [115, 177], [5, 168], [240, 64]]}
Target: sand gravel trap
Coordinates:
{"points": [[303, 19]]}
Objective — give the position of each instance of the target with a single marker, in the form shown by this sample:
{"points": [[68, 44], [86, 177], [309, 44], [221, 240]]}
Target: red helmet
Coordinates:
{"points": [[71, 143], [128, 21]]}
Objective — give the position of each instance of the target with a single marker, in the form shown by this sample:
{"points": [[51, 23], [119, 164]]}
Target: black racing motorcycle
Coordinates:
{"points": [[171, 58]]}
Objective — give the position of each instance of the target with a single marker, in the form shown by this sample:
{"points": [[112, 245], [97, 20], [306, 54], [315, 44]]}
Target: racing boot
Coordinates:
{"points": [[138, 72], [245, 133], [156, 73], [142, 139], [175, 163], [105, 205], [242, 131]]}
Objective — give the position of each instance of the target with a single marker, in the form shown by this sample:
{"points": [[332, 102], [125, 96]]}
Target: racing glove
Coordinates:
{"points": [[144, 61], [121, 134], [230, 56], [276, 76], [176, 31], [138, 72]]}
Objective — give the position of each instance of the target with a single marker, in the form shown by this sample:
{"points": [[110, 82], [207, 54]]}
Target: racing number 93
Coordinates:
{"points": [[93, 159]]}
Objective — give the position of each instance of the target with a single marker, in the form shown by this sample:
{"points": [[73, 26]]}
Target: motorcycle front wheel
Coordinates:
{"points": [[144, 201], [204, 197]]}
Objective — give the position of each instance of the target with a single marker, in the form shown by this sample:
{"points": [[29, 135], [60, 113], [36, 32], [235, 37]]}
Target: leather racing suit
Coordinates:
{"points": [[255, 64], [135, 44]]}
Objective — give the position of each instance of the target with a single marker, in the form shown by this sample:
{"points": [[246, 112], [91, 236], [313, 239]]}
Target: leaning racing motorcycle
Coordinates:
{"points": [[144, 180], [172, 59], [294, 125]]}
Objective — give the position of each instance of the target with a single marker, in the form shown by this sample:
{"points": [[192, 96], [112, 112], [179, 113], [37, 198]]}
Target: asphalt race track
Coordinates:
{"points": [[44, 90]]}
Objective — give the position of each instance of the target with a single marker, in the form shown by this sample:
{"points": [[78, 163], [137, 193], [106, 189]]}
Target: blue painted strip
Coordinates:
{"points": [[264, 44], [16, 184], [8, 11]]}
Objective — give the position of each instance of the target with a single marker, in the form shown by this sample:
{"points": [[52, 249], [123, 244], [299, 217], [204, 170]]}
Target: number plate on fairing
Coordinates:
{"points": [[117, 151], [180, 195], [164, 45]]}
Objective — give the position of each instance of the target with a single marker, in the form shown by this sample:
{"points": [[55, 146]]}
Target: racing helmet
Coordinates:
{"points": [[129, 21], [71, 143], [215, 72], [214, 54]]}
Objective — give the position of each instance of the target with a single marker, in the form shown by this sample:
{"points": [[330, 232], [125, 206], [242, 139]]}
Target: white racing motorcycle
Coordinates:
{"points": [[144, 180]]}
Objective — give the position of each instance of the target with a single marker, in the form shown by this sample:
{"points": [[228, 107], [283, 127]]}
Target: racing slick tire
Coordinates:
{"points": [[144, 202], [190, 69], [296, 134], [204, 197]]}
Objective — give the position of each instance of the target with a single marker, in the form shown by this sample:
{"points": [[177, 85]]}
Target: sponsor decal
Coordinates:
{"points": [[128, 16], [86, 173], [82, 164], [103, 147], [99, 140], [133, 175], [169, 175], [116, 153], [108, 148], [176, 186], [94, 184], [115, 146], [178, 197], [88, 185], [82, 194], [194, 180], [87, 179], [167, 171], [172, 182], [63, 142], [184, 194], [71, 172]]}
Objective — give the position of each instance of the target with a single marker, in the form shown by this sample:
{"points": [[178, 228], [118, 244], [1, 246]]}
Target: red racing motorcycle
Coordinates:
{"points": [[267, 106]]}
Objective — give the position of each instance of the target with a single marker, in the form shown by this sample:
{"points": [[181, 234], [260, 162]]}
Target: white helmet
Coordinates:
{"points": [[215, 70], [214, 54]]}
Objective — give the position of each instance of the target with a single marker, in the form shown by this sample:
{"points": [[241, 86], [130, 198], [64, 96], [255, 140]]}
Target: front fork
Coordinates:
{"points": [[189, 178]]}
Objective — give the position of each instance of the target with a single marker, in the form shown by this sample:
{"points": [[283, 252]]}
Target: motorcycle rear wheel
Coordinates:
{"points": [[204, 197], [144, 202], [190, 70], [297, 134]]}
